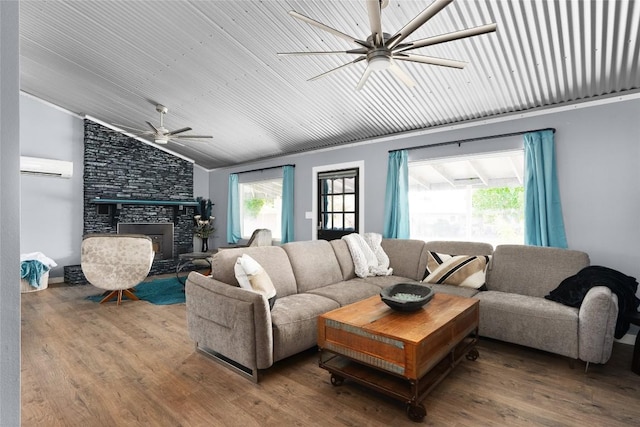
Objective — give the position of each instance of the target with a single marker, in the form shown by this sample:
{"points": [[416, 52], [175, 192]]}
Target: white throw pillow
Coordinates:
{"points": [[241, 276], [251, 275]]}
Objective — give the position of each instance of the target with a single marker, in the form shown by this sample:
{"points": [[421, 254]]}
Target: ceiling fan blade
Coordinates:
{"points": [[417, 22], [362, 51], [429, 60], [178, 131], [364, 78], [361, 58], [456, 35], [191, 136], [155, 130], [401, 75], [327, 28], [373, 8]]}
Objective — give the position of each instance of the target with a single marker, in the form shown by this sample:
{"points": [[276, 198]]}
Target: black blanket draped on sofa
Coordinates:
{"points": [[573, 289]]}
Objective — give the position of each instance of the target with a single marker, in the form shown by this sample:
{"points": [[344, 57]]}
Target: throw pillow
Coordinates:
{"points": [[251, 275], [457, 270]]}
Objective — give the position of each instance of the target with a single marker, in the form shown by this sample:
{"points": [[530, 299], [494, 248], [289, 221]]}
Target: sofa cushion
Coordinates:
{"points": [[406, 257], [273, 259], [251, 275], [532, 270], [386, 281], [531, 321], [314, 264], [294, 320], [347, 292], [459, 247], [345, 260], [458, 270], [454, 290]]}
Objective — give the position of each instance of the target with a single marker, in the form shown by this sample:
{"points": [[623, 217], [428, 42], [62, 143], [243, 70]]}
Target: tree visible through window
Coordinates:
{"points": [[479, 198], [261, 207]]}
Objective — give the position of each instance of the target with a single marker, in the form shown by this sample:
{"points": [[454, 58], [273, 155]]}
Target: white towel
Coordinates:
{"points": [[38, 256], [367, 254]]}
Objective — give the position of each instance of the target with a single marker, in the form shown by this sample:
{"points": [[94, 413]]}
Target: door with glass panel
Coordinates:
{"points": [[337, 203]]}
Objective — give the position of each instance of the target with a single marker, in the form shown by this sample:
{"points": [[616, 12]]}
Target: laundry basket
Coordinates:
{"points": [[43, 284], [40, 262]]}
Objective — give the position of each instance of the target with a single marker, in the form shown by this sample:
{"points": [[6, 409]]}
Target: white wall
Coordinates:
{"points": [[200, 182], [9, 215], [51, 208]]}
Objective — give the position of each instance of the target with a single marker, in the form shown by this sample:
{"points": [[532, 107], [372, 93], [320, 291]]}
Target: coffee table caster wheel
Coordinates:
{"points": [[336, 380], [416, 412], [473, 354]]}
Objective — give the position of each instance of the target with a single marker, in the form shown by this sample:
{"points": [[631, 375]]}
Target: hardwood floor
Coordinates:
{"points": [[86, 364]]}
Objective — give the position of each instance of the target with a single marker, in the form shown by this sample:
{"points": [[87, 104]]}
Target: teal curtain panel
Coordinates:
{"points": [[544, 225]]}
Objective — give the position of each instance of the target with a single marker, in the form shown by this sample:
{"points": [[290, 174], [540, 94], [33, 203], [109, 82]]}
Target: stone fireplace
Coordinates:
{"points": [[130, 183]]}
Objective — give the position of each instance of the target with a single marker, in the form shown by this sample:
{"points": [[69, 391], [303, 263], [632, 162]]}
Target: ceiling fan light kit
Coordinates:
{"points": [[380, 49]]}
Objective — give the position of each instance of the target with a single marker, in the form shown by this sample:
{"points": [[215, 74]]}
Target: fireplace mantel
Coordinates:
{"points": [[116, 204], [101, 201]]}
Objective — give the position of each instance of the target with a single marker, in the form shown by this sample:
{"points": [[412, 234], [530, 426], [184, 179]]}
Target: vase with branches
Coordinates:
{"points": [[203, 222]]}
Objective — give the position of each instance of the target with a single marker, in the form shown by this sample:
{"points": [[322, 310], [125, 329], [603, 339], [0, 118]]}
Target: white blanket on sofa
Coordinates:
{"points": [[368, 256]]}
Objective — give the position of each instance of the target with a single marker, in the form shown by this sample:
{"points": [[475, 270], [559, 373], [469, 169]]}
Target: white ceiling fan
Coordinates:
{"points": [[382, 50], [162, 135]]}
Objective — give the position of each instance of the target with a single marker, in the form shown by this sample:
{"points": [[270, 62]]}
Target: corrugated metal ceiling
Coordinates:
{"points": [[214, 65]]}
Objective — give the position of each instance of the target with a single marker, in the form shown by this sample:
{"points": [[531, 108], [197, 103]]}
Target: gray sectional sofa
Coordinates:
{"points": [[236, 327]]}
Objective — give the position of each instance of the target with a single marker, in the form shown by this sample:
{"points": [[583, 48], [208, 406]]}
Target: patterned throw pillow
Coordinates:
{"points": [[458, 270], [251, 275]]}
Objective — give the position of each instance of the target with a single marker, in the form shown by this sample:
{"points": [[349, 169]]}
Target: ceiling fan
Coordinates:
{"points": [[382, 50], [162, 135]]}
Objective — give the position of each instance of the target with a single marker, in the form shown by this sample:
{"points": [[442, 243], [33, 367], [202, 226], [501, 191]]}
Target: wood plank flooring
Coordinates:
{"points": [[87, 364]]}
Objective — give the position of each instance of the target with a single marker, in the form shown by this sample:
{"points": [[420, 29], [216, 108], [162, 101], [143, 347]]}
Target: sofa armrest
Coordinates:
{"points": [[597, 323], [231, 321]]}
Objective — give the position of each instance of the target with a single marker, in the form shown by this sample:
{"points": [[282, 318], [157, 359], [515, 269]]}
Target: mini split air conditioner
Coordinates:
{"points": [[46, 167]]}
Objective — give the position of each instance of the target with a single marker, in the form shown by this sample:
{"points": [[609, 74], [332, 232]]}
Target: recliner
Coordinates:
{"points": [[259, 237]]}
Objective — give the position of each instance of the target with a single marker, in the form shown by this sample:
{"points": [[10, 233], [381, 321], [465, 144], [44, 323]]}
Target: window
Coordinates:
{"points": [[473, 198], [261, 206]]}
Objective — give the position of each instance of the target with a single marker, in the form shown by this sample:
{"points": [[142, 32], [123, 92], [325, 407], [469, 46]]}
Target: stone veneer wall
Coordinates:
{"points": [[119, 167]]}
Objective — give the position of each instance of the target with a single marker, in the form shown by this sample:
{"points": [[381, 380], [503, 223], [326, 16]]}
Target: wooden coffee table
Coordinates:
{"points": [[404, 355]]}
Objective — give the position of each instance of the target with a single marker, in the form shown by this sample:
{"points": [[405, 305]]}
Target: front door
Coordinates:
{"points": [[337, 203]]}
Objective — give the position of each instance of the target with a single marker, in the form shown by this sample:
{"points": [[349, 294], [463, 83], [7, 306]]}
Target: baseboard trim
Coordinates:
{"points": [[56, 279]]}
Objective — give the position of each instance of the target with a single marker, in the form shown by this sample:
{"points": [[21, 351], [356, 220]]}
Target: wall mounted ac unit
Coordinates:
{"points": [[46, 167]]}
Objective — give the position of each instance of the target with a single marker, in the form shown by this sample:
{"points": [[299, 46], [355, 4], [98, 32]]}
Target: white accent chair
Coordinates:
{"points": [[116, 262]]}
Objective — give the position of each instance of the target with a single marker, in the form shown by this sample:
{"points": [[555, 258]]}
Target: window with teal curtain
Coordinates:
{"points": [[543, 223], [288, 175], [396, 205], [233, 210]]}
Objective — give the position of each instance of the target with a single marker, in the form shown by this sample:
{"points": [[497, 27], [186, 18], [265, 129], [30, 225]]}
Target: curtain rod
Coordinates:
{"points": [[480, 138], [264, 169]]}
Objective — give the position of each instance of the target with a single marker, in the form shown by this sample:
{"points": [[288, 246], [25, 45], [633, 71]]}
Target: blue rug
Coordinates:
{"points": [[160, 292]]}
